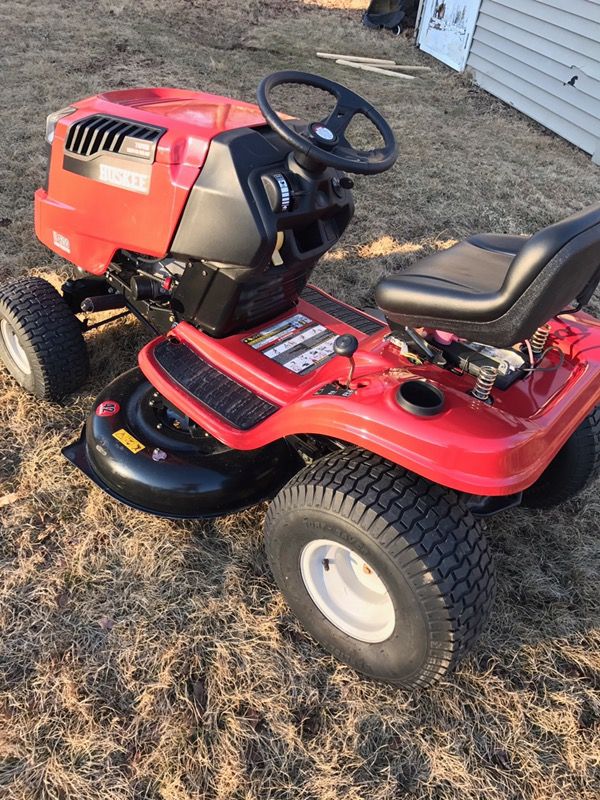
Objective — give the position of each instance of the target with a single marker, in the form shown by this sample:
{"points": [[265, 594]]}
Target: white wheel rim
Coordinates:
{"points": [[347, 590], [13, 347]]}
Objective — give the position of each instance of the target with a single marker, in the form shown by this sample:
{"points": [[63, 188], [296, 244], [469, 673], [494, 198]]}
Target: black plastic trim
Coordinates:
{"points": [[351, 316], [484, 506], [102, 133], [421, 398]]}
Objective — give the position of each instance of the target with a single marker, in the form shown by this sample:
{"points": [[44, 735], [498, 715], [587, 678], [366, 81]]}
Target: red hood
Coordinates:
{"points": [[192, 119]]}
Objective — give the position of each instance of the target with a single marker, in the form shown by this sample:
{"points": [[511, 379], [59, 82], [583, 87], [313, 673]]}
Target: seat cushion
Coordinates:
{"points": [[498, 289], [502, 242], [447, 282]]}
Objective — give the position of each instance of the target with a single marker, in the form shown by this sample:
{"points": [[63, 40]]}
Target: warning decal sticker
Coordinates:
{"points": [[130, 442], [298, 343]]}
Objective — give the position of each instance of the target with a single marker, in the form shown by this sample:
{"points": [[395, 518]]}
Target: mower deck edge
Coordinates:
{"points": [[76, 454]]}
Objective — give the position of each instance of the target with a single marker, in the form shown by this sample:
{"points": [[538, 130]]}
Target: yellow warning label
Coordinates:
{"points": [[130, 442]]}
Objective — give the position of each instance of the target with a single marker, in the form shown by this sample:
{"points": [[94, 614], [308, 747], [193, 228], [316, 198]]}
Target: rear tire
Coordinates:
{"points": [[389, 572], [41, 343], [573, 468]]}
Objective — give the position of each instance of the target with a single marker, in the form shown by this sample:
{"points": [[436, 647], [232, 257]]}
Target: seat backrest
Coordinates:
{"points": [[568, 252]]}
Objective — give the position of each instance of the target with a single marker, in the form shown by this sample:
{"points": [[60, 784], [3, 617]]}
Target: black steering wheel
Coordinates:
{"points": [[324, 142]]}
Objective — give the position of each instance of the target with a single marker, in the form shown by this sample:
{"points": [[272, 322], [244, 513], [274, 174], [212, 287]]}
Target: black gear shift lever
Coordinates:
{"points": [[346, 345]]}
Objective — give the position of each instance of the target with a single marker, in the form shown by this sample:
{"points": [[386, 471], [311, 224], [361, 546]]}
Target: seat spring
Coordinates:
{"points": [[485, 383], [539, 339]]}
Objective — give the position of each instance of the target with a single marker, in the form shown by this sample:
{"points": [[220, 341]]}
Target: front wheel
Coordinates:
{"points": [[41, 343], [387, 571]]}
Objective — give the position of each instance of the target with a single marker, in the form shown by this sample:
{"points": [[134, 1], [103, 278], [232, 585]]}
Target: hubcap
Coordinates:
{"points": [[347, 590], [13, 347]]}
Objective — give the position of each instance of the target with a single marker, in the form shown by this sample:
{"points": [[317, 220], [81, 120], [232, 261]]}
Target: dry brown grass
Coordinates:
{"points": [[146, 659]]}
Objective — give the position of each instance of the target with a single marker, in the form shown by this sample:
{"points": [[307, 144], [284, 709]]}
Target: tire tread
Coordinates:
{"points": [[574, 467], [426, 528], [52, 331]]}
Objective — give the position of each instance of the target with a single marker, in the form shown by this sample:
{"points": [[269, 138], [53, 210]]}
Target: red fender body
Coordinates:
{"points": [[470, 446]]}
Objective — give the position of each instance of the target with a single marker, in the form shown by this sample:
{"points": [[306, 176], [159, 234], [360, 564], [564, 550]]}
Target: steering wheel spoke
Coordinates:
{"points": [[339, 119]]}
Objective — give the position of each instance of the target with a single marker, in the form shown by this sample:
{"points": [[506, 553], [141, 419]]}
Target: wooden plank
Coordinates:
{"points": [[362, 59], [371, 68], [409, 67]]}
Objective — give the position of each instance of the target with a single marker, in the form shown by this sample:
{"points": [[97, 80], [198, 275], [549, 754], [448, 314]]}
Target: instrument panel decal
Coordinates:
{"points": [[298, 343]]}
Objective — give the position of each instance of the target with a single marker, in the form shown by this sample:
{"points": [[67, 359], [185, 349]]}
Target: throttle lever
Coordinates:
{"points": [[346, 345]]}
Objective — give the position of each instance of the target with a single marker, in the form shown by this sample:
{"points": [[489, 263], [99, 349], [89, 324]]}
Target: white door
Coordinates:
{"points": [[446, 30]]}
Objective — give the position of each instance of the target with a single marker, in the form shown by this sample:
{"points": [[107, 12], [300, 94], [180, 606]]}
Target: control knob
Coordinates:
{"points": [[278, 191]]}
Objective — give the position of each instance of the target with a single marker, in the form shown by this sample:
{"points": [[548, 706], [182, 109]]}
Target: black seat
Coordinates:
{"points": [[498, 289]]}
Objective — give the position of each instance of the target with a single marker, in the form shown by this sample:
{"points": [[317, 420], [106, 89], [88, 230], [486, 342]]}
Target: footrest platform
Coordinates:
{"points": [[235, 403]]}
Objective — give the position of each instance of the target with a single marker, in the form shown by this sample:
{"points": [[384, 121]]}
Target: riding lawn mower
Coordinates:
{"points": [[380, 436]]}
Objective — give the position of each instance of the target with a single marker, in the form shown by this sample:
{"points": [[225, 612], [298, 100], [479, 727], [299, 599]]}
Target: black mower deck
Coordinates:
{"points": [[142, 453]]}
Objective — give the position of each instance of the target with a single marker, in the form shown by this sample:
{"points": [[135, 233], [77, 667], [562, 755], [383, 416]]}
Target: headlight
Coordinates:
{"points": [[52, 120]]}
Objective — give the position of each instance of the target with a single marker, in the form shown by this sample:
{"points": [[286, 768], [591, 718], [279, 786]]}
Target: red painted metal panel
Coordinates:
{"points": [[472, 447]]}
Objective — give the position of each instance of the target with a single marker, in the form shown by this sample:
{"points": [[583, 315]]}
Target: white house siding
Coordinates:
{"points": [[543, 57]]}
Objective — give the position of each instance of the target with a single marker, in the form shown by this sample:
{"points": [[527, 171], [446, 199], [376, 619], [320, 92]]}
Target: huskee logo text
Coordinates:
{"points": [[125, 178]]}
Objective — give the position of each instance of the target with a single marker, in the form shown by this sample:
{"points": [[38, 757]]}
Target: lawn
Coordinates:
{"points": [[141, 658]]}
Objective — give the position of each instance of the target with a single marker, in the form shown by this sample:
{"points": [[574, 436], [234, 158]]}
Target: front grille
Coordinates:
{"points": [[103, 134]]}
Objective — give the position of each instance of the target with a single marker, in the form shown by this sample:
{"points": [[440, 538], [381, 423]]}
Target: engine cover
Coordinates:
{"points": [[122, 167]]}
